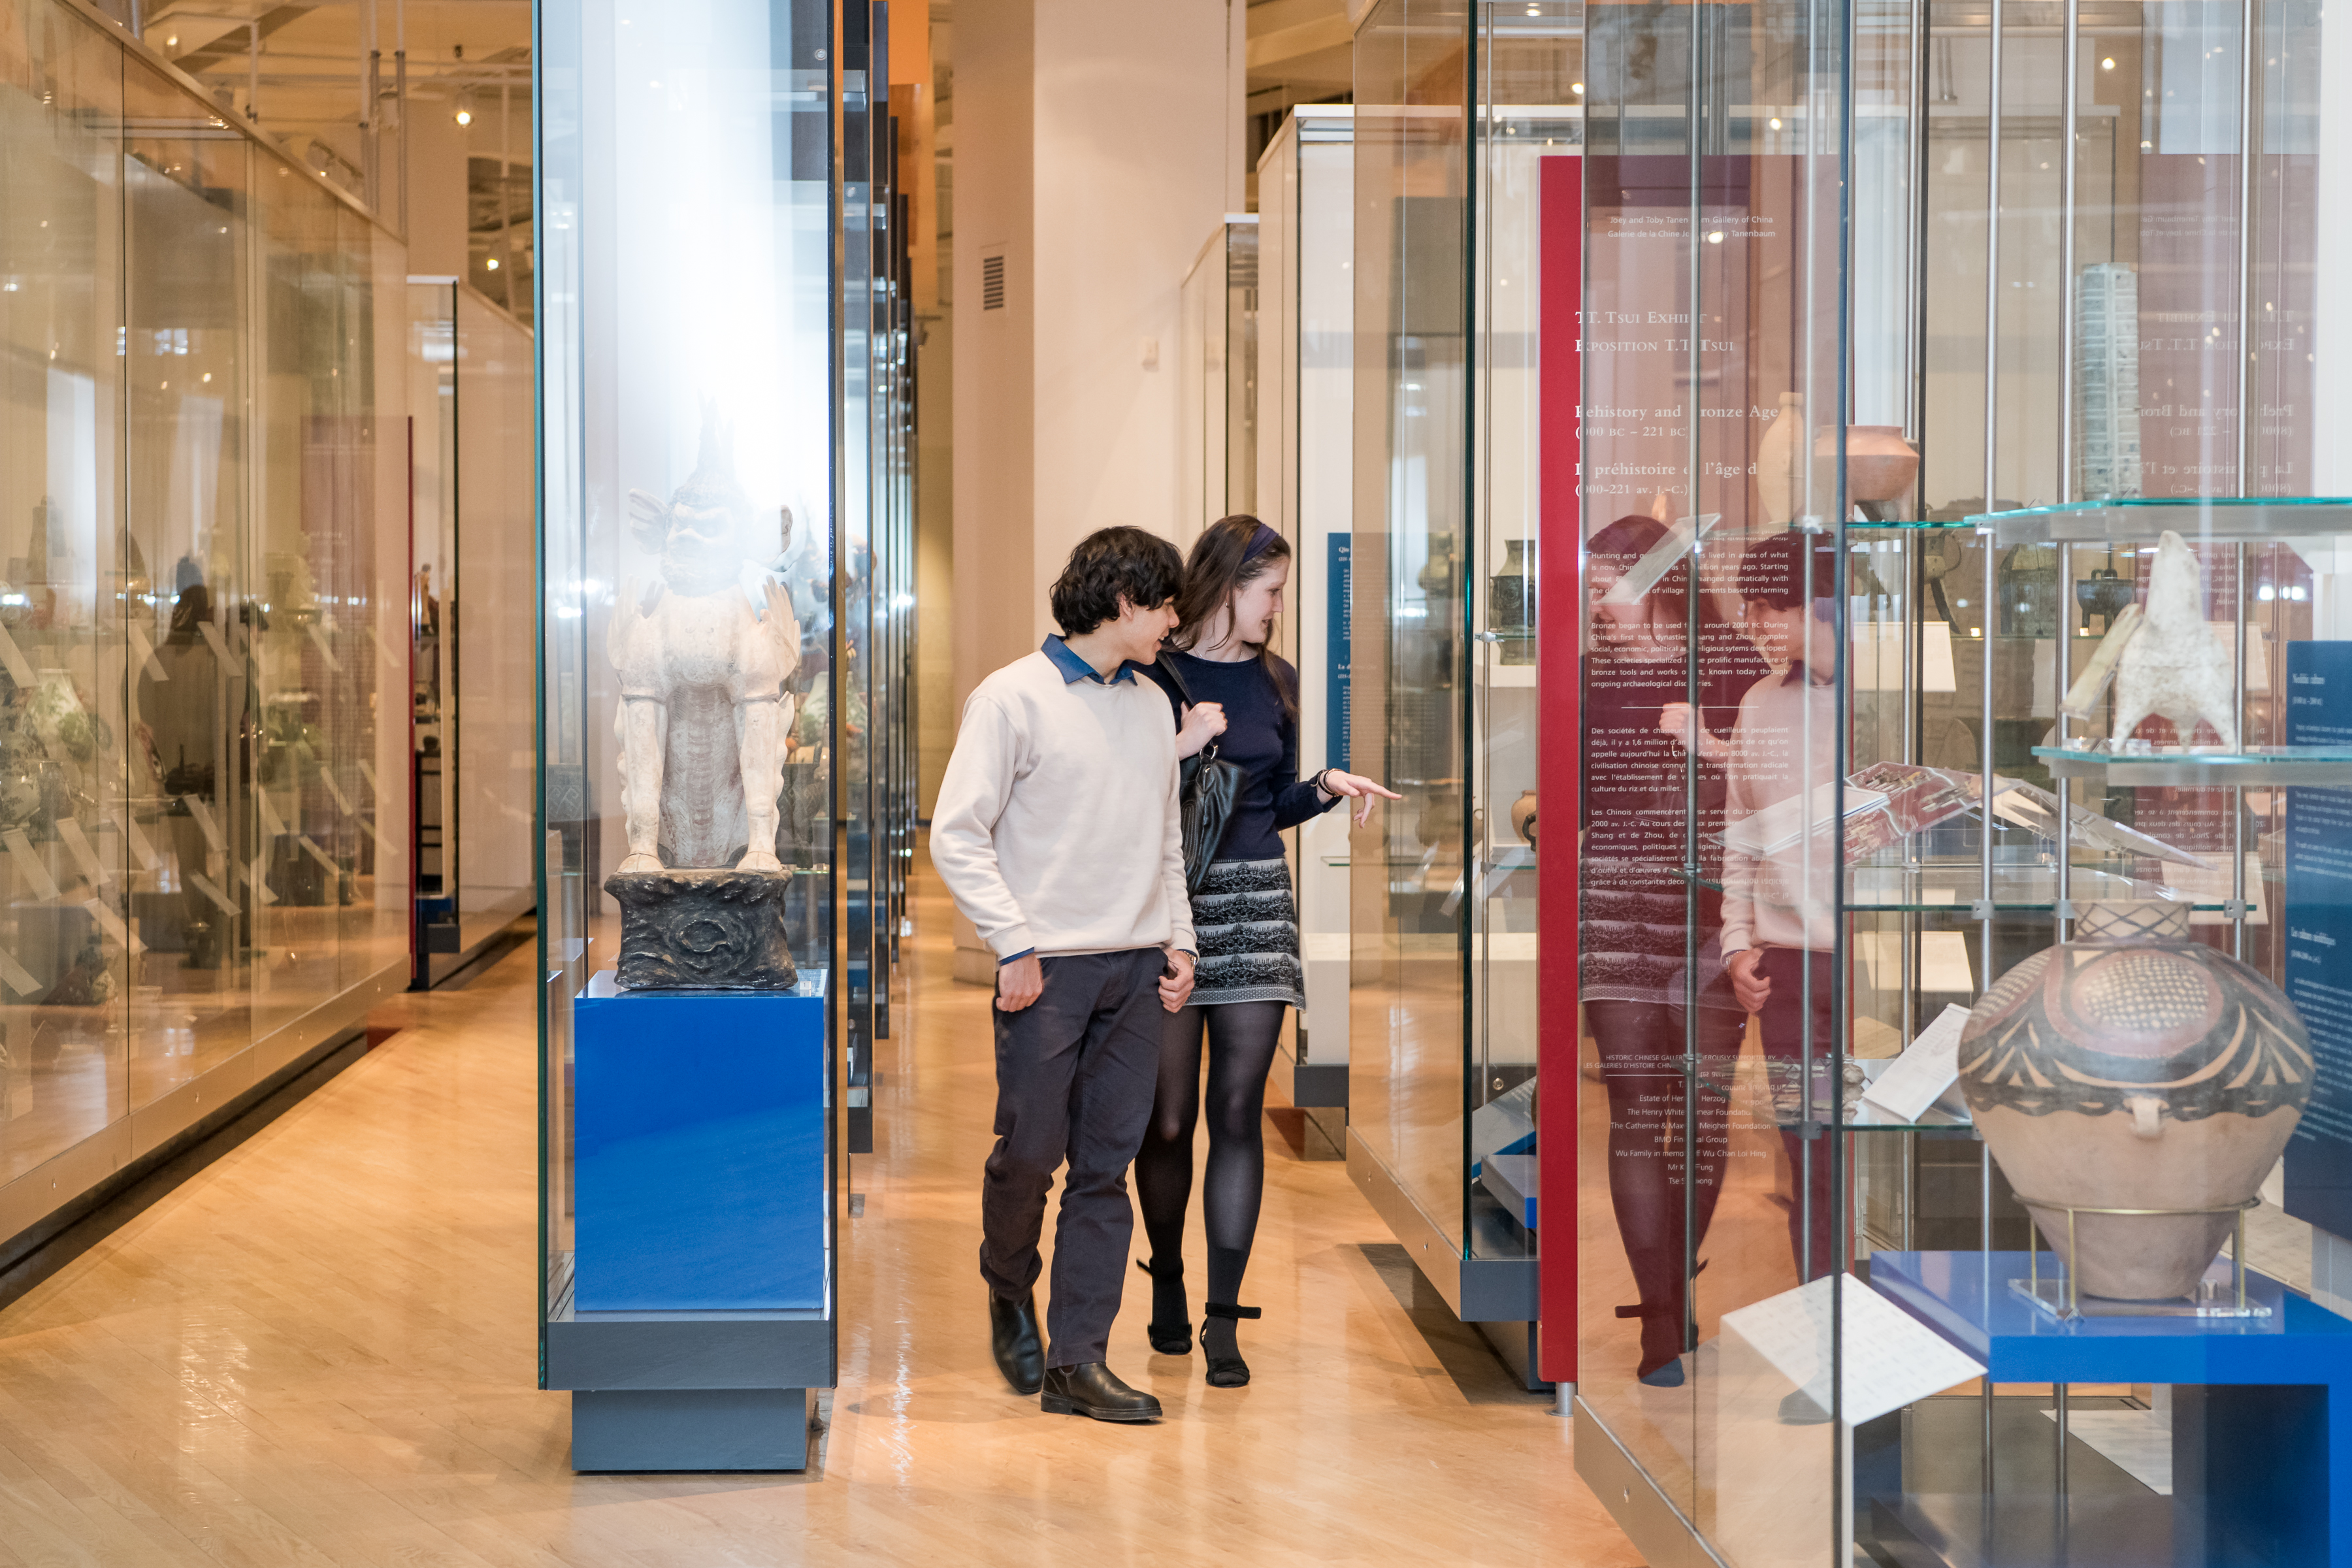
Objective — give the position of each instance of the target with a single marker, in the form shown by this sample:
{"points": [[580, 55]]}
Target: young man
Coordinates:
{"points": [[1056, 832]]}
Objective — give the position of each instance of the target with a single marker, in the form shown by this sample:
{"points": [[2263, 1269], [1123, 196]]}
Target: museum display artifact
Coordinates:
{"points": [[2136, 1087]]}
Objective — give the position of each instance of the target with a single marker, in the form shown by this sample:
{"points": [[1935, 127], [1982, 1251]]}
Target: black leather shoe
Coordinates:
{"points": [[1094, 1390], [1012, 1339]]}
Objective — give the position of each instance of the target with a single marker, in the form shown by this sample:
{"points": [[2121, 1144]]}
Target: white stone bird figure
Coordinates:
{"points": [[704, 712], [2174, 666]]}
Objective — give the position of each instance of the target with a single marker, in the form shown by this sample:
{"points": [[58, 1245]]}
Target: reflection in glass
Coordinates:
{"points": [[194, 851]]}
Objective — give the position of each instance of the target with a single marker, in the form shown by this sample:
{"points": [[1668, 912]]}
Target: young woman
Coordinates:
{"points": [[1636, 947], [1228, 686]]}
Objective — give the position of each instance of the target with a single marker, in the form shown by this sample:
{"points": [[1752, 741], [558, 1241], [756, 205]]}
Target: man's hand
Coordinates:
{"points": [[1019, 983], [1748, 984], [1176, 980]]}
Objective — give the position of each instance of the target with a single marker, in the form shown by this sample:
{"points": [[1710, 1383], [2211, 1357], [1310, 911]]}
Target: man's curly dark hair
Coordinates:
{"points": [[1108, 564]]}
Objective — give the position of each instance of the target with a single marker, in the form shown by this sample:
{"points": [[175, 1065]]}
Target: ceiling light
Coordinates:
{"points": [[2108, 64], [465, 115], [494, 263], [1776, 122], [1577, 87], [173, 42]]}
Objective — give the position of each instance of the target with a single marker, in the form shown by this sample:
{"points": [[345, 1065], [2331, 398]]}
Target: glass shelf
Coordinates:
{"points": [[2138, 519], [2322, 765], [1953, 888]]}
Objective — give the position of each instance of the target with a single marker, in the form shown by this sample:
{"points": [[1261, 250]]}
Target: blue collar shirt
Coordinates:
{"points": [[1075, 669]]}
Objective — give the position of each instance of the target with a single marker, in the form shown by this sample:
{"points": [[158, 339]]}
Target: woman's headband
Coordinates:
{"points": [[1264, 539]]}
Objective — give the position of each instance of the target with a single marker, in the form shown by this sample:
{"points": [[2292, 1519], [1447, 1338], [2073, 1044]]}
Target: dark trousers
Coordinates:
{"points": [[1074, 1072], [1783, 1025]]}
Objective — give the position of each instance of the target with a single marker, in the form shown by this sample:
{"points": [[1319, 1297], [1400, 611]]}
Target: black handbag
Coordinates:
{"points": [[1205, 795]]}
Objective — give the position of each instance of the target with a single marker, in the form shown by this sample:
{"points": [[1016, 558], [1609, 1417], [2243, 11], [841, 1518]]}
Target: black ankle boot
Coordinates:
{"points": [[1170, 1331], [1012, 1339], [1219, 1343], [1094, 1390]]}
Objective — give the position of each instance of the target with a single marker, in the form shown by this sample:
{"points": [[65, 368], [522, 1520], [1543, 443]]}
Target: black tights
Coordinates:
{"points": [[1241, 1036], [1653, 1177]]}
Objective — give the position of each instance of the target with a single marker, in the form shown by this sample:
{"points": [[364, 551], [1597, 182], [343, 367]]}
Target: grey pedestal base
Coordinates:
{"points": [[691, 1430]]}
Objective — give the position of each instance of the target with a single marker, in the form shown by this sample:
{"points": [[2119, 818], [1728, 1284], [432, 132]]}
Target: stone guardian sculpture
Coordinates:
{"points": [[703, 721]]}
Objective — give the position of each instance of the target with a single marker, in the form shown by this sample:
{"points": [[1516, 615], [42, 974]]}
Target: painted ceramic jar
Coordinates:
{"points": [[2135, 1068], [1523, 815]]}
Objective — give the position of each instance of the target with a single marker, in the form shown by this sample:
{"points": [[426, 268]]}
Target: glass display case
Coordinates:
{"points": [[723, 706], [1958, 739], [470, 528], [1467, 133], [204, 840], [1307, 302], [1216, 456]]}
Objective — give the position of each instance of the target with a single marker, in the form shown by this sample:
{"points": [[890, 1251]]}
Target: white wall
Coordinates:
{"points": [[1097, 144], [1093, 142]]}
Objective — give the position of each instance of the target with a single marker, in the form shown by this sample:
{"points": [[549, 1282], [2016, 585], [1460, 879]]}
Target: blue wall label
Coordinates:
{"points": [[2319, 922], [1337, 648]]}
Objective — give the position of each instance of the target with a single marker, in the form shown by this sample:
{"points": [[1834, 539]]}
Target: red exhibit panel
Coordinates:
{"points": [[1558, 604]]}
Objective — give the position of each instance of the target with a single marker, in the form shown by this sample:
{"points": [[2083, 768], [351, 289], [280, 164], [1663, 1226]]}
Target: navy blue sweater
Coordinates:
{"points": [[1260, 739]]}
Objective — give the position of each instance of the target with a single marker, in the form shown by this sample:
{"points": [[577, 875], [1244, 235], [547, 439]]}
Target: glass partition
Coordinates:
{"points": [[1716, 146], [202, 799], [1459, 110], [1217, 450], [687, 410], [1306, 315], [1408, 1088], [470, 522], [1934, 359]]}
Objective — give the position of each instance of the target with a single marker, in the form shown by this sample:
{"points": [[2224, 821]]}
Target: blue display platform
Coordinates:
{"points": [[2262, 1430], [699, 1164]]}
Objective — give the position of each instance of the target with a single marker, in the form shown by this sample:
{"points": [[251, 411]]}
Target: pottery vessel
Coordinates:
{"points": [[1523, 815], [1777, 483], [1879, 463], [2135, 1069]]}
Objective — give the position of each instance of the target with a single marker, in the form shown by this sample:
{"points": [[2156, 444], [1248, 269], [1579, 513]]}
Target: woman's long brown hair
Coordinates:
{"points": [[1221, 564]]}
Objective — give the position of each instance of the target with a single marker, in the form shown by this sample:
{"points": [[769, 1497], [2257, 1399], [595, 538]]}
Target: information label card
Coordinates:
{"points": [[1889, 1358], [2318, 920]]}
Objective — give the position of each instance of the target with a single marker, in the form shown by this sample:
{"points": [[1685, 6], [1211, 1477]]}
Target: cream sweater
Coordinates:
{"points": [[1785, 742], [1056, 827]]}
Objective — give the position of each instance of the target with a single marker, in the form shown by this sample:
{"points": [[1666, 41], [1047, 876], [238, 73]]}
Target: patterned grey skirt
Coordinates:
{"points": [[1247, 925]]}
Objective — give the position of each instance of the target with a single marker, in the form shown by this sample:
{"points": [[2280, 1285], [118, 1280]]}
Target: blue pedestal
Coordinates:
{"points": [[699, 1126], [2261, 1427]]}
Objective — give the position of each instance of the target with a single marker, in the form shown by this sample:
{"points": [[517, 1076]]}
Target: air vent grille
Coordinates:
{"points": [[991, 282]]}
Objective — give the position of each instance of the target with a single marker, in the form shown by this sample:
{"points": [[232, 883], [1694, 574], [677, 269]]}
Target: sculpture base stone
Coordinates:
{"points": [[703, 930]]}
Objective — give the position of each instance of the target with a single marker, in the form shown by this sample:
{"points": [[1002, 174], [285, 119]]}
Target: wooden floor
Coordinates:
{"points": [[321, 1351]]}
